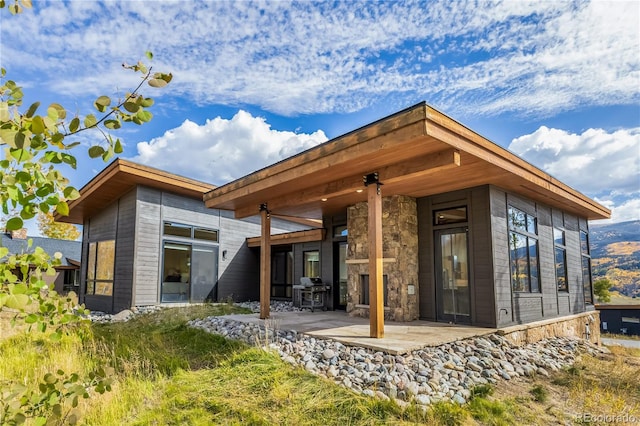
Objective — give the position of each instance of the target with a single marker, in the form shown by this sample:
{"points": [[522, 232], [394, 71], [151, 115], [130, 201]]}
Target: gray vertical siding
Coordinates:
{"points": [[125, 247], [549, 303], [480, 248], [426, 256], [147, 254]]}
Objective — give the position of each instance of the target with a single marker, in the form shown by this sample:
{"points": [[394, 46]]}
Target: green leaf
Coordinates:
{"points": [[72, 145], [16, 301], [149, 55], [131, 106], [21, 155], [90, 121], [37, 125], [69, 159], [112, 124], [56, 112], [157, 82], [32, 109], [96, 151], [55, 337], [31, 318], [102, 103], [57, 138], [23, 176], [144, 115], [70, 193], [118, 147], [19, 139], [74, 125], [14, 224], [62, 208], [147, 102], [3, 252]]}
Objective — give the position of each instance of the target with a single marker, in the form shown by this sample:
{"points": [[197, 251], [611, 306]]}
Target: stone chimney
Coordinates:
{"points": [[19, 234]]}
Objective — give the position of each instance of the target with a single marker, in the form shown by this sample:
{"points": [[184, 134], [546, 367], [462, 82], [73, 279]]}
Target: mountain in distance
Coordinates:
{"points": [[615, 253]]}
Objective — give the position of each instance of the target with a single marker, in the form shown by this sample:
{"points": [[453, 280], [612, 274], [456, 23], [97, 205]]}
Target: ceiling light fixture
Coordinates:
{"points": [[323, 199], [359, 190]]}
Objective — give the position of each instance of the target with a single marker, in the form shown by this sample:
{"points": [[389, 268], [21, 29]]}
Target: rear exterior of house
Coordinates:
{"points": [[463, 230], [150, 245], [411, 217]]}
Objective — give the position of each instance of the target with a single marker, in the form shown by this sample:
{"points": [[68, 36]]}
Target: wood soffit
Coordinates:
{"points": [[417, 152], [121, 176]]}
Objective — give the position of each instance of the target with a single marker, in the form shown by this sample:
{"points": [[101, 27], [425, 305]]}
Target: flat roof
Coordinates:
{"points": [[119, 177], [416, 152]]}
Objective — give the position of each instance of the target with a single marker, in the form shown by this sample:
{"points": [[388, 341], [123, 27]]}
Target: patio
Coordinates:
{"points": [[399, 338]]}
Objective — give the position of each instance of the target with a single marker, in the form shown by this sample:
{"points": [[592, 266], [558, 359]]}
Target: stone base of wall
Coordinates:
{"points": [[569, 326]]}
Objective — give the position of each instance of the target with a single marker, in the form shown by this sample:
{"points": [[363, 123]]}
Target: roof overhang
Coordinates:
{"points": [[121, 176], [287, 238], [416, 152]]}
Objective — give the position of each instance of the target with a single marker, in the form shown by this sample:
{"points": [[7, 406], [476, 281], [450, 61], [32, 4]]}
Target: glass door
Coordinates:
{"points": [[452, 275], [204, 274], [340, 275]]}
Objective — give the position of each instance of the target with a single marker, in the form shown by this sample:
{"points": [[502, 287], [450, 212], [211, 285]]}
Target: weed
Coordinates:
{"points": [[539, 393], [448, 413], [481, 391]]}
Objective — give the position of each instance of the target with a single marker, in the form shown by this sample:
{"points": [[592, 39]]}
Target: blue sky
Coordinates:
{"points": [[555, 82]]}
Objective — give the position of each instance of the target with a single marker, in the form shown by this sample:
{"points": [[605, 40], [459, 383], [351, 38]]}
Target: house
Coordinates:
{"points": [[67, 276], [412, 216], [620, 319], [148, 239], [425, 218]]}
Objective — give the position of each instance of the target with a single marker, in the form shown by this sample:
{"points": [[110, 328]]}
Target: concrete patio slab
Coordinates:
{"points": [[399, 338]]}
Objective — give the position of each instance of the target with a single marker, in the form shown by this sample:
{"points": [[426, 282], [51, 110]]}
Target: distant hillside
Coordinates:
{"points": [[615, 250]]}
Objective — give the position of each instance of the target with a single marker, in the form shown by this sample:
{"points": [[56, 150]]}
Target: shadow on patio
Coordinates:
{"points": [[399, 337]]}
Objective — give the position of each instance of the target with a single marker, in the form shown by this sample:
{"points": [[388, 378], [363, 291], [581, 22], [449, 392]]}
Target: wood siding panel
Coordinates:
{"points": [[125, 249], [148, 251], [426, 281], [480, 247], [500, 252]]}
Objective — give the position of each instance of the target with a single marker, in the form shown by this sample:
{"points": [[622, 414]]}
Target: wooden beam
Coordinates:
{"points": [[363, 261], [416, 167], [290, 238], [376, 294], [265, 263]]}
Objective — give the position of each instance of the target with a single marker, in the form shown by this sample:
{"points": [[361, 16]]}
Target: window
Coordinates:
{"points": [[176, 272], [340, 231], [586, 268], [561, 259], [71, 280], [100, 268], [523, 251], [187, 231], [449, 216], [311, 263]]}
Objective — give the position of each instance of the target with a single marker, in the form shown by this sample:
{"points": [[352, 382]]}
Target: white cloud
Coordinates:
{"points": [[221, 150], [298, 58], [603, 165]]}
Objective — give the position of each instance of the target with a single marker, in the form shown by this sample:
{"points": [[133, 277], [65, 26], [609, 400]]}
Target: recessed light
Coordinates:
{"points": [[359, 190], [324, 199]]}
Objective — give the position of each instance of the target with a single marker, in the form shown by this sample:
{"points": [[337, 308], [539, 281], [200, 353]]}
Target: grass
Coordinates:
{"points": [[168, 373]]}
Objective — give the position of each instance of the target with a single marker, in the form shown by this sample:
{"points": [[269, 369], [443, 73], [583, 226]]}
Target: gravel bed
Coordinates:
{"points": [[446, 372]]}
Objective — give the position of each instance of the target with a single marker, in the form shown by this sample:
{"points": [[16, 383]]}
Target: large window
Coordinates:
{"points": [[523, 251], [586, 267], [311, 264], [561, 259], [100, 268]]}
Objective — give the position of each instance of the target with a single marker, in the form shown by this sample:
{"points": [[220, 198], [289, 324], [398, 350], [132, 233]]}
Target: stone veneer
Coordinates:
{"points": [[568, 326], [399, 242]]}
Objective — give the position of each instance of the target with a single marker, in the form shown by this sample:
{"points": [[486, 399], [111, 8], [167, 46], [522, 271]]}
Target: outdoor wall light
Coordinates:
{"points": [[224, 255]]}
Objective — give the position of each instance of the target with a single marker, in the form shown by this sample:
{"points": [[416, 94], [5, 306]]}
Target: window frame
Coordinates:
{"points": [[526, 230], [193, 230], [560, 248], [95, 258], [587, 279]]}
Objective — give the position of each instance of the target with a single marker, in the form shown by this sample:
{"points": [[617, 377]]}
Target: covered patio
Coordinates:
{"points": [[399, 337]]}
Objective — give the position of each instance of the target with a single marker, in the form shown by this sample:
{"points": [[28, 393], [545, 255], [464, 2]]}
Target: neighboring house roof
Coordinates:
{"points": [[71, 250], [121, 176], [417, 152]]}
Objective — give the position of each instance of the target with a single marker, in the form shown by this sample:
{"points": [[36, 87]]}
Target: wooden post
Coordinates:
{"points": [[265, 262], [376, 294]]}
